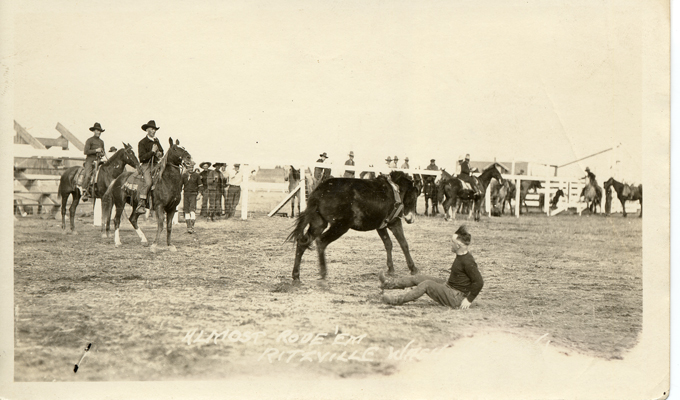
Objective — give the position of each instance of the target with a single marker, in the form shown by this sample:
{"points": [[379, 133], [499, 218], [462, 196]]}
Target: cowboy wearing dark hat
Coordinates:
{"points": [[205, 165], [192, 185], [150, 152], [213, 189], [350, 174], [459, 291], [94, 149], [321, 174]]}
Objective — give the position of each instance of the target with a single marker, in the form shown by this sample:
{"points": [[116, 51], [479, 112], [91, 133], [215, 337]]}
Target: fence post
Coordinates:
{"points": [[518, 188], [303, 189], [487, 200], [97, 212], [546, 199], [244, 191]]}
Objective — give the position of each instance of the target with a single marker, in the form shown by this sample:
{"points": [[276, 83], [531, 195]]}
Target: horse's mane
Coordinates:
{"points": [[158, 169]]}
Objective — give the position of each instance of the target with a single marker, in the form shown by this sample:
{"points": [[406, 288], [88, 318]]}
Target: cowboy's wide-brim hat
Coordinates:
{"points": [[208, 163], [150, 124], [219, 165], [323, 155], [388, 159], [351, 154], [97, 127]]}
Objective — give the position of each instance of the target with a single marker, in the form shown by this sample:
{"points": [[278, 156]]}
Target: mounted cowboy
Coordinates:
{"points": [[94, 150], [464, 174], [150, 152]]}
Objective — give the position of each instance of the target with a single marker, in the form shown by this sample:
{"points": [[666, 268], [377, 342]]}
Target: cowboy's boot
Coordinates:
{"points": [[387, 282], [83, 191], [141, 207], [404, 297]]}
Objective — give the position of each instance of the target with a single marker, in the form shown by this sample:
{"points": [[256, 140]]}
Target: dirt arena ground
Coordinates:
{"points": [[222, 305]]}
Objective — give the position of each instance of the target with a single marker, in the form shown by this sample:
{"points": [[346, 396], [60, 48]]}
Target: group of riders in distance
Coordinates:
{"points": [[334, 206]]}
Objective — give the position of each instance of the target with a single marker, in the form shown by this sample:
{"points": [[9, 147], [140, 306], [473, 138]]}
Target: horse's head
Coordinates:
{"points": [[409, 194], [495, 173], [128, 156], [608, 183], [178, 155]]}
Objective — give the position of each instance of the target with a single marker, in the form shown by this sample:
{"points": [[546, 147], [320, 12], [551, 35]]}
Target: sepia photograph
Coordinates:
{"points": [[336, 199]]}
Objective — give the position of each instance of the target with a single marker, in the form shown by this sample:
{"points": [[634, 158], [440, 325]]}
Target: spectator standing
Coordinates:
{"points": [[321, 174], [205, 166], [192, 185], [405, 164], [350, 174], [234, 190], [213, 189]]}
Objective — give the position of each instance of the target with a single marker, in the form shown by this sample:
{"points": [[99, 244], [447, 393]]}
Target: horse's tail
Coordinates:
{"points": [[107, 202], [299, 235]]}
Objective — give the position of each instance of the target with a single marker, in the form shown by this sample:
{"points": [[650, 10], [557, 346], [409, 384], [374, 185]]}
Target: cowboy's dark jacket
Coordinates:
{"points": [[144, 149]]}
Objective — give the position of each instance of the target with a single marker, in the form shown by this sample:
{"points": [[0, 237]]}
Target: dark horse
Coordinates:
{"points": [[165, 196], [107, 173], [430, 192], [455, 192], [359, 204], [625, 193], [293, 178]]}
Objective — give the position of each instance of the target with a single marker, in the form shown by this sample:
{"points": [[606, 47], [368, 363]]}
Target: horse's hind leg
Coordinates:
{"points": [[133, 220], [332, 234], [64, 200], [316, 227]]}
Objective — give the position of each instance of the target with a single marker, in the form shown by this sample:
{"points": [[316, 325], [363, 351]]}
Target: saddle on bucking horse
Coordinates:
{"points": [[468, 187], [398, 205]]}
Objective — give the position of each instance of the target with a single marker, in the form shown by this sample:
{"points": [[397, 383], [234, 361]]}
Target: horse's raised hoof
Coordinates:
{"points": [[172, 248]]}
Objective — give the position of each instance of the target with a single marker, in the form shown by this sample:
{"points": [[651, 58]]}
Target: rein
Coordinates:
{"points": [[398, 209]]}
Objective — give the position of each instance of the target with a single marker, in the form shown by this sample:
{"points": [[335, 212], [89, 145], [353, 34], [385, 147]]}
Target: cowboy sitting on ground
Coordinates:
{"points": [[462, 287], [94, 149], [150, 152]]}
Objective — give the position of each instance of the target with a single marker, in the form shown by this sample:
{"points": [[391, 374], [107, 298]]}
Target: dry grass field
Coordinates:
{"points": [[222, 306]]}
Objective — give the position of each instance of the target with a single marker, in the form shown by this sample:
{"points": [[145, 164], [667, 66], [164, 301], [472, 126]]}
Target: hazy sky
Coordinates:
{"points": [[280, 82]]}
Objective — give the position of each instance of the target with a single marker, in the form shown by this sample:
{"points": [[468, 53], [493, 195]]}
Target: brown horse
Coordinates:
{"points": [[108, 171], [341, 204], [165, 196], [625, 193], [293, 178], [525, 187], [455, 192]]}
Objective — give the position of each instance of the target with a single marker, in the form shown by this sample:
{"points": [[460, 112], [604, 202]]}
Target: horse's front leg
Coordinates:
{"points": [[171, 215], [398, 232], [388, 248], [159, 226], [623, 205], [72, 211], [133, 220]]}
